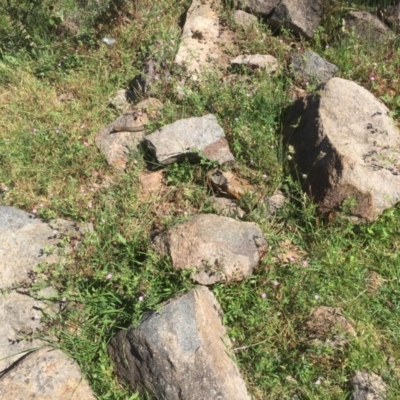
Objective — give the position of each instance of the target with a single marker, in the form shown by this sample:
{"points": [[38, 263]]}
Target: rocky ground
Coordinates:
{"points": [[223, 223]]}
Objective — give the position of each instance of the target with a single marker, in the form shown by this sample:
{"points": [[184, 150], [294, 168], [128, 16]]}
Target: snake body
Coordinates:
{"points": [[127, 129]]}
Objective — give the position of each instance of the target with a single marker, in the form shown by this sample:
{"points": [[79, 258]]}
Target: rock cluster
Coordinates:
{"points": [[342, 142]]}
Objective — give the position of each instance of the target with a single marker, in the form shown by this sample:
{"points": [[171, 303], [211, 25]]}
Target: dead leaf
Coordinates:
{"points": [[288, 252]]}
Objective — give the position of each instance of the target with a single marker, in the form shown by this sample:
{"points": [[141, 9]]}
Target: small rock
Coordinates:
{"points": [[227, 184], [120, 102], [255, 61], [368, 27], [180, 352], [70, 26], [46, 374], [261, 7], [296, 93], [150, 106], [227, 207], [275, 202], [329, 325], [244, 19], [142, 83], [187, 138], [151, 182], [391, 17], [312, 68], [368, 386], [219, 248]]}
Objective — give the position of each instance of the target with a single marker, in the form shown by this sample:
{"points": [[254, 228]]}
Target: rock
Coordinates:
{"points": [[368, 27], [313, 68], [368, 386], [180, 352], [116, 145], [227, 207], [120, 102], [261, 7], [219, 248], [256, 61], [151, 182], [300, 16], [244, 19], [19, 320], [142, 84], [202, 34], [187, 138], [46, 374], [24, 240], [69, 26], [296, 93], [275, 202], [227, 184], [347, 148], [329, 325], [150, 106], [391, 17]]}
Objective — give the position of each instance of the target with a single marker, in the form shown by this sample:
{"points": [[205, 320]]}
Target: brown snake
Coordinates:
{"points": [[127, 129]]}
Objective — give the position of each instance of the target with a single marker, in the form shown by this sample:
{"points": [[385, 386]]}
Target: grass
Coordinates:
{"points": [[49, 162]]}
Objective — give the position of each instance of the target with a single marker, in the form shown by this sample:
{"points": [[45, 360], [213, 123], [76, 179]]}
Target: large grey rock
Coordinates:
{"points": [[301, 16], [22, 242], [347, 147], [19, 320], [312, 68], [368, 386], [180, 352], [25, 242], [368, 27], [219, 248], [187, 138], [47, 374]]}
